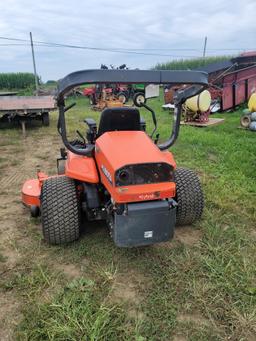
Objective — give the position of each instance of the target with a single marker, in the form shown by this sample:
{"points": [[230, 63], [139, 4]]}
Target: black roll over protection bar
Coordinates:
{"points": [[197, 79]]}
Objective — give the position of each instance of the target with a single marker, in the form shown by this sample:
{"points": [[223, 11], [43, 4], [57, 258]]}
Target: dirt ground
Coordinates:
{"points": [[21, 161]]}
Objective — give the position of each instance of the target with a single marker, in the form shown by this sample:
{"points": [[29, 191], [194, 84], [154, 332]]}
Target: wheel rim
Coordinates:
{"points": [[141, 99]]}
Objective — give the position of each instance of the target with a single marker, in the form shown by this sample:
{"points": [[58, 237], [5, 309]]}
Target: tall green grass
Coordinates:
{"points": [[186, 64], [19, 80]]}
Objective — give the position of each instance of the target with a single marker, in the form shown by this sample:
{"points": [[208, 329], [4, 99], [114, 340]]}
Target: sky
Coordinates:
{"points": [[164, 29]]}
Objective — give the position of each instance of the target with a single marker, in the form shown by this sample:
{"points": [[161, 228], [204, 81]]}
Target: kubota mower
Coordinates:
{"points": [[119, 173]]}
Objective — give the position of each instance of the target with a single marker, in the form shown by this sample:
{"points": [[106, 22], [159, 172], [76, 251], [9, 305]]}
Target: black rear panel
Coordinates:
{"points": [[145, 223], [144, 173]]}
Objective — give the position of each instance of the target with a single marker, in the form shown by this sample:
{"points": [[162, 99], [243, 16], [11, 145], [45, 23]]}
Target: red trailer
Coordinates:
{"points": [[238, 87], [232, 82]]}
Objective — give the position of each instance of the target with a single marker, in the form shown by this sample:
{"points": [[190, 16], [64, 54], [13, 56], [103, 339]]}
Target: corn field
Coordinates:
{"points": [[187, 64], [19, 80]]}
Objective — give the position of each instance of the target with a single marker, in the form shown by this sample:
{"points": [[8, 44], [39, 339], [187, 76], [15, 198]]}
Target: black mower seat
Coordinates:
{"points": [[119, 119]]}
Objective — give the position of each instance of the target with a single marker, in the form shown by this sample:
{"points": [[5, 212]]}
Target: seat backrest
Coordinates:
{"points": [[119, 119]]}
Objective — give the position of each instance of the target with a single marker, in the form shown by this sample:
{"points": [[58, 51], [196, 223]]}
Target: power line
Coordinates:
{"points": [[115, 50], [119, 50], [123, 49]]}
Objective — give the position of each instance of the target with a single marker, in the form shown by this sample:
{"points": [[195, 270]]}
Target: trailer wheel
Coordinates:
{"points": [[45, 119], [60, 210], [189, 196]]}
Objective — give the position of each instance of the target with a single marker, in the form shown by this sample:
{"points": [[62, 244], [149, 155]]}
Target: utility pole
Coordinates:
{"points": [[205, 43], [34, 63]]}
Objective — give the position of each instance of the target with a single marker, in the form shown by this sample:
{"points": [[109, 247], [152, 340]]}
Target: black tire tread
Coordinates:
{"points": [[189, 196], [60, 210]]}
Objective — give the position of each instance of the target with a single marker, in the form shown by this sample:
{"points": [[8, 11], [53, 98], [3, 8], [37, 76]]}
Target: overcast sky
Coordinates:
{"points": [[133, 24]]}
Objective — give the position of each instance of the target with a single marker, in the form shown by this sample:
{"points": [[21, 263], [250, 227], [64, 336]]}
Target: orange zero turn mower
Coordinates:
{"points": [[118, 172]]}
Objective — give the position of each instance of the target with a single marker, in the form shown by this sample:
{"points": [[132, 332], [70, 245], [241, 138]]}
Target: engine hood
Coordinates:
{"points": [[118, 149]]}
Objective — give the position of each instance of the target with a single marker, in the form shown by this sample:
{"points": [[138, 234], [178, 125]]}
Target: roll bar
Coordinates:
{"points": [[197, 78]]}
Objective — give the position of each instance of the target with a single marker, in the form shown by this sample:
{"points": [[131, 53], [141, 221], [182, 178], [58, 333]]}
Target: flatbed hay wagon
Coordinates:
{"points": [[22, 109]]}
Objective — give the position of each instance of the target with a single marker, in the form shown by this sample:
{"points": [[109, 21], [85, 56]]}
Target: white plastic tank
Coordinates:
{"points": [[200, 102]]}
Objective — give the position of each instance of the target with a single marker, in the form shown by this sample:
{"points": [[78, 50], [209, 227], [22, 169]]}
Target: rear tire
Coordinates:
{"points": [[60, 210], [189, 196]]}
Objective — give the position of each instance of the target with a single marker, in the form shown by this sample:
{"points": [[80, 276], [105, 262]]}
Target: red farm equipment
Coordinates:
{"points": [[231, 83]]}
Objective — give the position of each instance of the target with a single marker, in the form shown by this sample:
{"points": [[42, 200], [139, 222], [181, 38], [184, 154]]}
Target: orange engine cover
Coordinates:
{"points": [[117, 149]]}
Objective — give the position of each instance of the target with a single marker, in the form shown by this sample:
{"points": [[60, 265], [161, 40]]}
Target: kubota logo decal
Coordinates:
{"points": [[147, 196], [106, 173]]}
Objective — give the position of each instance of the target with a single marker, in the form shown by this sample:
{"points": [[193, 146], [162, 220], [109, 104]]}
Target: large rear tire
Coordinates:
{"points": [[60, 210], [189, 196]]}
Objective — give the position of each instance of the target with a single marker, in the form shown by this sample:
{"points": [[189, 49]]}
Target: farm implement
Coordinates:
{"points": [[231, 83], [119, 172], [111, 95], [22, 109]]}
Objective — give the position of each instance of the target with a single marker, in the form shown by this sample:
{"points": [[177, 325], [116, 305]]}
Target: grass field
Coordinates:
{"points": [[199, 286]]}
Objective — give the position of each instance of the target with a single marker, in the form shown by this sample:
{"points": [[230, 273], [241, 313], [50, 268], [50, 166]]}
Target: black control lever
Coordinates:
{"points": [[69, 106], [81, 136], [156, 138]]}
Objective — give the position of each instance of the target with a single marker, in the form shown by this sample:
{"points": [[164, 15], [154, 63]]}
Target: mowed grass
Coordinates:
{"points": [[183, 290]]}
